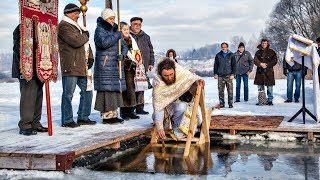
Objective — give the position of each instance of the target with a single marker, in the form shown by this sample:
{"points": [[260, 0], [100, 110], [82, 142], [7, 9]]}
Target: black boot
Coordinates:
{"points": [[139, 109], [86, 122], [124, 113], [28, 132], [133, 116], [115, 120]]}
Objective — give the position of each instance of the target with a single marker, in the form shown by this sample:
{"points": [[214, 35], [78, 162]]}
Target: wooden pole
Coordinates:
{"points": [[193, 121], [48, 102], [206, 118], [119, 42]]}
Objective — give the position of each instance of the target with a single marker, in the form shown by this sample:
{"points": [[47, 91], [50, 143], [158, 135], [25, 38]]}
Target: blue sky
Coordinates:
{"points": [[177, 24]]}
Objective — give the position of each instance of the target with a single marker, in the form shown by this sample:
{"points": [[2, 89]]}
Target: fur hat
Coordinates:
{"points": [[241, 44], [106, 13], [70, 8], [136, 18]]}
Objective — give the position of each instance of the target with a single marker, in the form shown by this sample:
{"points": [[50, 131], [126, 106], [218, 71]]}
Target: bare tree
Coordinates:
{"points": [[235, 40], [252, 44], [293, 17]]}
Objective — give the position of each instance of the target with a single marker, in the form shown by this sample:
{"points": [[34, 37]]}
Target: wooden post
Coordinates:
{"points": [[310, 136], [154, 136], [233, 132], [119, 45], [192, 121], [206, 117], [46, 83], [115, 145]]}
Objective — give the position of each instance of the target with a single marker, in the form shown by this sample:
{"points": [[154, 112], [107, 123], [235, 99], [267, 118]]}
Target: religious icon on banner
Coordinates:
{"points": [[137, 56]]}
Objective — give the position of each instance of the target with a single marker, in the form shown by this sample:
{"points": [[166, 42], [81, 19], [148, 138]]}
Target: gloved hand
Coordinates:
{"points": [[285, 72], [133, 66], [90, 62], [87, 33], [120, 57]]}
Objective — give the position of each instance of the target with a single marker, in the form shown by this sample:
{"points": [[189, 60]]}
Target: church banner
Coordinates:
{"points": [[38, 23], [299, 46]]}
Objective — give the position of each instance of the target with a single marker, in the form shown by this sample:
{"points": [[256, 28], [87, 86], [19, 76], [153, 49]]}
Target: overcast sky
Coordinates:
{"points": [[177, 24]]}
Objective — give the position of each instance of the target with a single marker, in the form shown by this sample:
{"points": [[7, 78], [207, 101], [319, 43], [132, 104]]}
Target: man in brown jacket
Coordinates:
{"points": [[265, 58], [73, 44]]}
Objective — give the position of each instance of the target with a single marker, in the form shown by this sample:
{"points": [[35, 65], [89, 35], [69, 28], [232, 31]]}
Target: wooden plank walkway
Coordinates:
{"points": [[58, 152], [261, 123]]}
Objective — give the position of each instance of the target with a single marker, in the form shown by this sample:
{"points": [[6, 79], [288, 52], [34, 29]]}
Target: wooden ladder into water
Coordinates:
{"points": [[204, 134]]}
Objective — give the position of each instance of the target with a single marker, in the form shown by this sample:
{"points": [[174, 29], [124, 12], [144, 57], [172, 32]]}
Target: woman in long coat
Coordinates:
{"points": [[132, 96], [106, 71]]}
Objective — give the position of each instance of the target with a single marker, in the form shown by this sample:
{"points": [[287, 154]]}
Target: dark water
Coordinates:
{"points": [[229, 159]]}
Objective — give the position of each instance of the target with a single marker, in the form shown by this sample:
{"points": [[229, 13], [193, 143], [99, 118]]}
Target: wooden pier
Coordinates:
{"points": [[58, 152], [235, 124]]}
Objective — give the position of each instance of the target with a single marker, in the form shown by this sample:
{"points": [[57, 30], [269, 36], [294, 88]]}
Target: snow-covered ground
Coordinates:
{"points": [[199, 64], [9, 117], [9, 103]]}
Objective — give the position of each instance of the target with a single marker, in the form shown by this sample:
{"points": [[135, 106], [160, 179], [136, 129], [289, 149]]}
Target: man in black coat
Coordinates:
{"points": [[265, 59], [31, 91], [146, 48]]}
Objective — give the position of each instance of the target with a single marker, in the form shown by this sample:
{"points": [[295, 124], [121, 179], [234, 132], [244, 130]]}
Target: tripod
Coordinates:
{"points": [[304, 110]]}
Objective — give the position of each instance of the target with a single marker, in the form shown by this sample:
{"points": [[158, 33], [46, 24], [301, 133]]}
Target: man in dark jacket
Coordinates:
{"points": [[72, 39], [146, 48], [293, 73], [244, 68], [224, 69], [31, 93], [265, 59]]}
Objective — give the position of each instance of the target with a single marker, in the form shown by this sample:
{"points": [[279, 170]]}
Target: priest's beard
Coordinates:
{"points": [[169, 82]]}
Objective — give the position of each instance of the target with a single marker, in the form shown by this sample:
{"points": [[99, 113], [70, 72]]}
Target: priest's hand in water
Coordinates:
{"points": [[201, 82], [161, 133]]}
